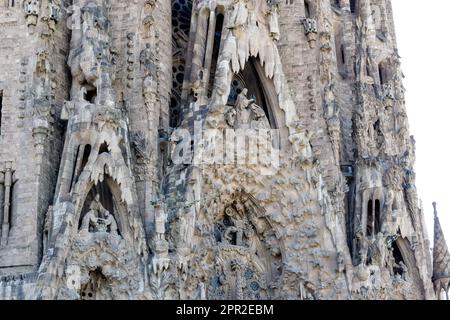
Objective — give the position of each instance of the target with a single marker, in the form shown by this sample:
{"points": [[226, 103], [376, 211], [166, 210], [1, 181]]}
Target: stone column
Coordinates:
{"points": [[2, 198], [209, 50], [7, 205], [199, 49]]}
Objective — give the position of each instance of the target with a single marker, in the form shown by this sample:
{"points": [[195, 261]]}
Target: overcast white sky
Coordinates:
{"points": [[423, 43]]}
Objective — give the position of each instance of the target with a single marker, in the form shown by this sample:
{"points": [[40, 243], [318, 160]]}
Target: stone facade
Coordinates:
{"points": [[207, 149]]}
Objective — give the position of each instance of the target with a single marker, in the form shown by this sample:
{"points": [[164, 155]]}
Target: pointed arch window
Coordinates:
{"points": [[252, 79]]}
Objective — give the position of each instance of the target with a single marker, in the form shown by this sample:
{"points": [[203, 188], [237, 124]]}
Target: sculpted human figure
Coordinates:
{"points": [[97, 206], [381, 247], [90, 220], [363, 243], [147, 60], [331, 108], [302, 149], [242, 110], [98, 219], [273, 13], [90, 52], [259, 118], [160, 222], [404, 269], [239, 16], [110, 223], [238, 224]]}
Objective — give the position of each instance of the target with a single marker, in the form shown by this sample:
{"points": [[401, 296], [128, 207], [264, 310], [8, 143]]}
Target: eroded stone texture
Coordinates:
{"points": [[260, 150]]}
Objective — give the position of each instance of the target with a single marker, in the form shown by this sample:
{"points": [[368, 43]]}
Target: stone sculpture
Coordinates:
{"points": [[118, 98]]}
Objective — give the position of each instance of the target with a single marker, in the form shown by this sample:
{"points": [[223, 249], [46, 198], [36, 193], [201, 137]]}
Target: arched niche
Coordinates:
{"points": [[402, 252], [106, 199], [249, 254], [259, 87], [110, 197]]}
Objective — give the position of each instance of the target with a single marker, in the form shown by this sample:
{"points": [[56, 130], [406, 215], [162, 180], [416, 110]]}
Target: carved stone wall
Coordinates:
{"points": [[112, 184]]}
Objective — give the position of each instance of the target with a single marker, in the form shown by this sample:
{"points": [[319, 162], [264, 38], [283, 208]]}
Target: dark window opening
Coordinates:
{"points": [[103, 148], [353, 5], [91, 95], [12, 204], [370, 218], [350, 216], [86, 154], [90, 92], [307, 9], [377, 216], [175, 113], [342, 55], [336, 3], [380, 71]]}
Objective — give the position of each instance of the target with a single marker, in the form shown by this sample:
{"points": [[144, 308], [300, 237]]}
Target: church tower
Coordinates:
{"points": [[206, 149]]}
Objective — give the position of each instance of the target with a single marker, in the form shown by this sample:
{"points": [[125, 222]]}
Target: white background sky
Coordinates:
{"points": [[423, 43]]}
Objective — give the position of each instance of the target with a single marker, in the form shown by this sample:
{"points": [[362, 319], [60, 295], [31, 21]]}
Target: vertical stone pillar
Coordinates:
{"points": [[199, 52], [6, 204], [2, 198], [209, 51]]}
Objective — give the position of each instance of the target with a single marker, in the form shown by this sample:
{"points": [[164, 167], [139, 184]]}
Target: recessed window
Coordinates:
{"points": [[1, 110], [353, 5], [307, 9]]}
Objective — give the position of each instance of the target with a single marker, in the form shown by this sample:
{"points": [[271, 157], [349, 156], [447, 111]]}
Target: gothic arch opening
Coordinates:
{"points": [[248, 251], [101, 199], [260, 88]]}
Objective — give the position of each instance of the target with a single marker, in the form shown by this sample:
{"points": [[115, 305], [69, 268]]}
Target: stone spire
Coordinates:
{"points": [[441, 257]]}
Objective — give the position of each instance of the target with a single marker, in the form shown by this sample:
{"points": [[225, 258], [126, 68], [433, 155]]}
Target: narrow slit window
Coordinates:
{"points": [[370, 218], [307, 9], [1, 110], [377, 216], [353, 5]]}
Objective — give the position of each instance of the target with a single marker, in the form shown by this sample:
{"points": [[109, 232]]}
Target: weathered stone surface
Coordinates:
{"points": [[260, 150]]}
